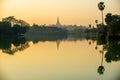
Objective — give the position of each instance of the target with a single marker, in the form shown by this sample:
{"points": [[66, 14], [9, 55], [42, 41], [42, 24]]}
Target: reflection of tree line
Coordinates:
{"points": [[12, 45], [110, 51], [101, 68]]}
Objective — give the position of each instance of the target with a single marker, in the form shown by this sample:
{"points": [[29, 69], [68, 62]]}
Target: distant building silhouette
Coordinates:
{"points": [[58, 24]]}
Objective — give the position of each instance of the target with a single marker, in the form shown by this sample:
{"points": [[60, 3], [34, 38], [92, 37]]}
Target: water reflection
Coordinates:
{"points": [[110, 51], [101, 68], [111, 48], [113, 51], [63, 64], [11, 45]]}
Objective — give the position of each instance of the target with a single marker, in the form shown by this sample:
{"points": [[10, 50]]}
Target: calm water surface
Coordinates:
{"points": [[57, 60]]}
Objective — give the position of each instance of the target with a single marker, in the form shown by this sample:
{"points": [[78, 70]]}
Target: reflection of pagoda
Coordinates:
{"points": [[58, 23], [58, 44]]}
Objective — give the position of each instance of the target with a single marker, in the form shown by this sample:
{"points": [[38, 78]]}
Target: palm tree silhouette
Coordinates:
{"points": [[96, 21], [101, 68], [90, 26], [101, 7]]}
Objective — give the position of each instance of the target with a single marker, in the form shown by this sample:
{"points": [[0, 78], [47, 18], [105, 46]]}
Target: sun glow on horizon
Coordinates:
{"points": [[46, 11]]}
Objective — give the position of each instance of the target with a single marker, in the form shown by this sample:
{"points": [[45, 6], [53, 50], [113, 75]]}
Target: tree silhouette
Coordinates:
{"points": [[11, 26], [113, 23], [22, 23], [101, 7], [5, 28], [10, 19], [90, 26], [13, 21], [96, 21]]}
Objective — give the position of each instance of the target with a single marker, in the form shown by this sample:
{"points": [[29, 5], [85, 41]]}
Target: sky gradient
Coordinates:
{"points": [[80, 12]]}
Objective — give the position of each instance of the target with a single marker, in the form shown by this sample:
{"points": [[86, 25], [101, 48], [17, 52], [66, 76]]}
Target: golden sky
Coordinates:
{"points": [[80, 12]]}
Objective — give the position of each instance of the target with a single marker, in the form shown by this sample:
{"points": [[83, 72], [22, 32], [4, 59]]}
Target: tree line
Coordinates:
{"points": [[11, 26]]}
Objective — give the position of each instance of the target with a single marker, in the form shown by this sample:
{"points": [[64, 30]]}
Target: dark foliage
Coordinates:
{"points": [[12, 27], [113, 24]]}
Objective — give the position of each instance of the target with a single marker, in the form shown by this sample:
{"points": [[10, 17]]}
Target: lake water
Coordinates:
{"points": [[57, 60]]}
